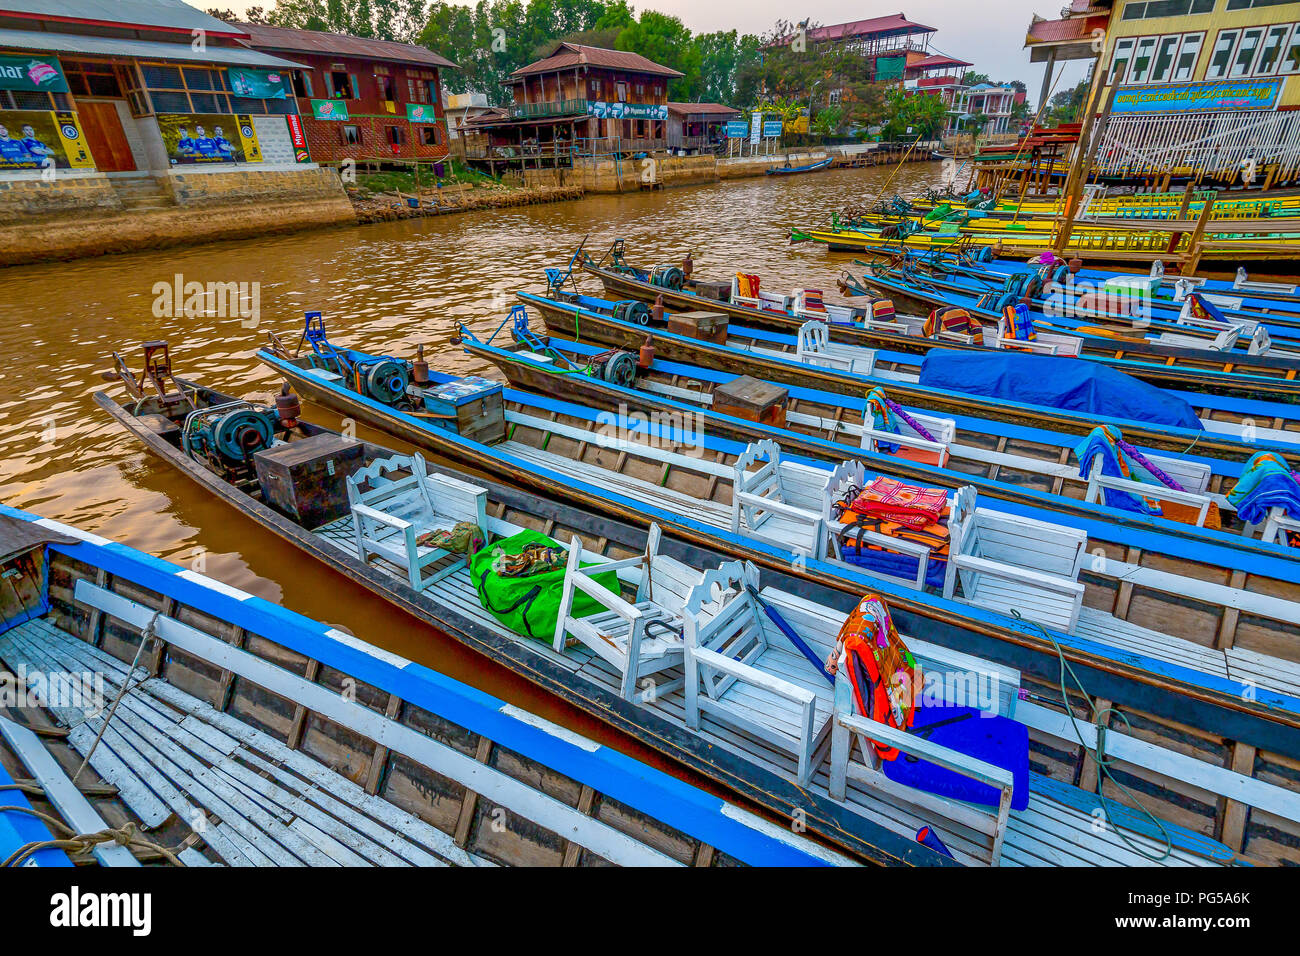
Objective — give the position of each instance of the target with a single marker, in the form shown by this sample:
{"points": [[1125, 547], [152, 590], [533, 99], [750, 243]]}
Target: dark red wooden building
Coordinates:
{"points": [[362, 99]]}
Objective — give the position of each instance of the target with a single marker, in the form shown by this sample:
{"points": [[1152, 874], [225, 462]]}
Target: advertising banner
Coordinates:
{"points": [[298, 138], [39, 139], [257, 84], [199, 139], [1200, 97], [329, 109], [41, 73], [421, 113], [605, 110]]}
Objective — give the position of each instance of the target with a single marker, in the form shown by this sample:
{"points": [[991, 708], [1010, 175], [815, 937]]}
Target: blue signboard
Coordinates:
{"points": [[737, 129], [771, 129], [1192, 97]]}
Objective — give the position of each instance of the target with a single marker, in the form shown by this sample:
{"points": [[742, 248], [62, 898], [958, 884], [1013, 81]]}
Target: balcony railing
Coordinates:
{"points": [[552, 108]]}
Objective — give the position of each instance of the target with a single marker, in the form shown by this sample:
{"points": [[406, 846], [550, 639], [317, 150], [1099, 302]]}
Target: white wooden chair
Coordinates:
{"points": [[391, 514], [780, 502], [741, 671], [764, 300], [1278, 525], [943, 430], [853, 733], [1004, 562], [799, 306], [1243, 283], [815, 348], [639, 637], [1045, 343], [1193, 476], [1261, 343], [1223, 341], [850, 475]]}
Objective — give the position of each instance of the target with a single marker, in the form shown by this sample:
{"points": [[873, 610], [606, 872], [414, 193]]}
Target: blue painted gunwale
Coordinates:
{"points": [[651, 791], [488, 455]]}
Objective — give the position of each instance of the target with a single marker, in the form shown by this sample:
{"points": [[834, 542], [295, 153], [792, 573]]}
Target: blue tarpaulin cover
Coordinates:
{"points": [[1057, 382]]}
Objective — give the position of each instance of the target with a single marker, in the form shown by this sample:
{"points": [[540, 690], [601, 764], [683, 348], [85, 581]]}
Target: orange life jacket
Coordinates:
{"points": [[880, 667]]}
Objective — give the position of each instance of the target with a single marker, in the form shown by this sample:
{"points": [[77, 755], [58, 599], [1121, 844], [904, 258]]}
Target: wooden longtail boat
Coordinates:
{"points": [[226, 740], [1241, 344], [872, 818], [806, 168], [1167, 365], [828, 427], [1095, 243], [1167, 205], [1232, 426], [1243, 302], [689, 497]]}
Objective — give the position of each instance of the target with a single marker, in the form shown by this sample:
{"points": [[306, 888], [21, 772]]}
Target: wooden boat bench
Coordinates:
{"points": [[640, 637], [1224, 341], [781, 502], [913, 446], [390, 514], [1194, 477], [742, 672], [814, 347], [769, 301], [1004, 562]]}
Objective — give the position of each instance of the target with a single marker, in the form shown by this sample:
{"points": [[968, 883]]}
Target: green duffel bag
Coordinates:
{"points": [[530, 604]]}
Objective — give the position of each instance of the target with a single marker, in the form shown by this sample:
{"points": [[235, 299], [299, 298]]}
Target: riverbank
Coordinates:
{"points": [[393, 205]]}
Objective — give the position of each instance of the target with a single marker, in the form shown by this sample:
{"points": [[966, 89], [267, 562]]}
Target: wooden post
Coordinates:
{"points": [[1078, 175], [1193, 253]]}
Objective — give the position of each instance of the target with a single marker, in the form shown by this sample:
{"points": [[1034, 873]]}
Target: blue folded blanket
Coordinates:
{"points": [[1267, 483]]}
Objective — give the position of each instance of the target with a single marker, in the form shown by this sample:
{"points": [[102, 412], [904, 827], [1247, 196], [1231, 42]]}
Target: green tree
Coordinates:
{"points": [[913, 117], [668, 41], [400, 20]]}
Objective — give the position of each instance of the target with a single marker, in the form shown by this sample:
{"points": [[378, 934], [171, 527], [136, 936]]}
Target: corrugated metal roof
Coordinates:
{"points": [[574, 54], [936, 61], [339, 44], [147, 49], [1064, 31], [694, 109], [167, 14]]}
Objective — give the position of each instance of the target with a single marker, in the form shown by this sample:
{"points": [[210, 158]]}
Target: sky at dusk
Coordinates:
{"points": [[988, 33]]}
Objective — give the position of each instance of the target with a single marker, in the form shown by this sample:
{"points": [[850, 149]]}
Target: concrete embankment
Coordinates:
{"points": [[70, 217]]}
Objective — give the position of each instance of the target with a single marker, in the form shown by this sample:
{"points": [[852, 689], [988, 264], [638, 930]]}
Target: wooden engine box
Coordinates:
{"points": [[472, 407], [752, 400], [307, 479], [711, 289], [705, 326]]}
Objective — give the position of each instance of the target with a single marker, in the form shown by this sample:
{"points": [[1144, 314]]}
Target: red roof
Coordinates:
{"points": [[896, 24], [568, 55], [695, 109], [263, 37], [937, 62]]}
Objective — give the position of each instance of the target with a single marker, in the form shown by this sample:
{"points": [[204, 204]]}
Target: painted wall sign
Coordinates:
{"points": [[200, 139], [39, 139], [257, 84], [1200, 97], [32, 73], [329, 109]]}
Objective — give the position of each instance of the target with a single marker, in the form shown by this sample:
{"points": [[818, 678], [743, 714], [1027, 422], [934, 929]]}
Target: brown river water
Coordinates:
{"points": [[383, 287]]}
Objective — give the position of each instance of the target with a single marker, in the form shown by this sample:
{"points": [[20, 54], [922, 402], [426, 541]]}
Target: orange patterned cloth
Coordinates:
{"points": [[910, 505]]}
